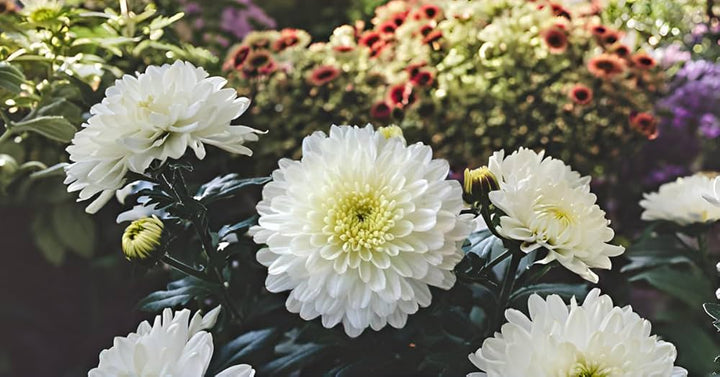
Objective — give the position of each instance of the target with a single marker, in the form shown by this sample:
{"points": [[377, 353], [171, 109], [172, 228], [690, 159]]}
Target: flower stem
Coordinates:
{"points": [[498, 259], [184, 268], [508, 283]]}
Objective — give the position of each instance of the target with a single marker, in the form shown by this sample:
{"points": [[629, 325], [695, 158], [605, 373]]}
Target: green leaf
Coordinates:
{"points": [[713, 310], [10, 78], [225, 187], [179, 292], [654, 250], [47, 241], [302, 355], [57, 170], [53, 127], [696, 349], [566, 291], [237, 350], [688, 285], [75, 229], [227, 230]]}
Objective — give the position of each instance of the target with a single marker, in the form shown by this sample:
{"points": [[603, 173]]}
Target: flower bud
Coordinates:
{"points": [[391, 131], [142, 238], [478, 184], [8, 168]]}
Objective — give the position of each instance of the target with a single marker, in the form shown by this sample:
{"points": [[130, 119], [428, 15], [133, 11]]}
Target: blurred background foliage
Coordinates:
{"points": [[66, 282]]}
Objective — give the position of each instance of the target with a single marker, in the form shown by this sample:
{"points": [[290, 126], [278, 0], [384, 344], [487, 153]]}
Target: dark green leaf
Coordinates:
{"points": [[237, 350], [10, 78], [301, 356], [179, 292], [689, 285], [713, 310], [234, 228], [696, 349], [75, 229], [53, 127], [225, 187], [653, 250], [47, 241], [566, 291]]}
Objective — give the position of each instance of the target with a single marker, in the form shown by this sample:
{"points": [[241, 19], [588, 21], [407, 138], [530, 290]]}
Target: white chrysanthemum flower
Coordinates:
{"points": [[174, 346], [155, 116], [548, 205], [594, 339], [714, 197], [360, 228], [683, 201]]}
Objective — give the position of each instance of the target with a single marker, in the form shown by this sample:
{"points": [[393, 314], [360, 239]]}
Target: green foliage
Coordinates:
{"points": [[55, 63]]}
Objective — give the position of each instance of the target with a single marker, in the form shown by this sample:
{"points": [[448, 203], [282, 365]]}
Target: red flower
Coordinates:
{"points": [[581, 94], [428, 11], [378, 48], [288, 38], [423, 78], [268, 68], [645, 123], [559, 11], [399, 18], [610, 37], [343, 48], [643, 60], [388, 27], [606, 66], [370, 38], [598, 30], [401, 95], [555, 39], [432, 36], [426, 29], [236, 58], [323, 75], [414, 68], [257, 62], [620, 50], [381, 110], [260, 43]]}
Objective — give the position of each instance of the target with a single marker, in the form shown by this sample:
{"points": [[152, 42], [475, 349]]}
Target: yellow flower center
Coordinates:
{"points": [[555, 213], [361, 219]]}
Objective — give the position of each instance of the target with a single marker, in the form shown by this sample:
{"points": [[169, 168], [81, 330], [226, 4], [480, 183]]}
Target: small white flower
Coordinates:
{"points": [[687, 200], [548, 205], [155, 115], [174, 346], [595, 339], [360, 228], [717, 293]]}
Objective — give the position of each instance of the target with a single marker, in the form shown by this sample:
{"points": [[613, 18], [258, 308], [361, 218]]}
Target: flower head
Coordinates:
{"points": [[323, 75], [478, 183], [155, 115], [595, 339], [556, 40], [381, 110], [401, 95], [142, 238], [620, 50], [359, 228], [174, 345], [606, 66], [643, 61], [581, 94], [547, 205], [682, 201], [236, 58], [645, 123]]}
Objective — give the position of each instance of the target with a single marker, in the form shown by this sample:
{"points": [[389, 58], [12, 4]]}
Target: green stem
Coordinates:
{"points": [[508, 283], [184, 268], [498, 259], [485, 212], [5, 136]]}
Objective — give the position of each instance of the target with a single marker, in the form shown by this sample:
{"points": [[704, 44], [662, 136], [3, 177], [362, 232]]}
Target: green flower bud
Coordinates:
{"points": [[8, 168], [391, 131], [478, 184], [142, 238]]}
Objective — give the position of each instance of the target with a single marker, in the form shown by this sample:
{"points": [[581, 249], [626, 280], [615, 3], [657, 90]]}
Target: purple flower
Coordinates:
{"points": [[240, 21], [709, 126]]}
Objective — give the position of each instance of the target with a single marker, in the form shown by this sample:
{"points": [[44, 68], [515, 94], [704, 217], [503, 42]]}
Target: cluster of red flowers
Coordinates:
{"points": [[254, 57]]}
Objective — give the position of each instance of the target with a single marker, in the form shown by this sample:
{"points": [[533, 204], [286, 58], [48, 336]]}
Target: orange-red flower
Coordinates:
{"points": [[620, 49], [606, 66], [610, 37], [555, 39], [432, 36], [423, 78], [598, 30], [380, 110], [643, 61], [288, 38], [581, 94], [401, 95], [236, 58], [388, 27], [428, 11], [645, 123], [323, 75], [559, 11], [370, 38]]}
